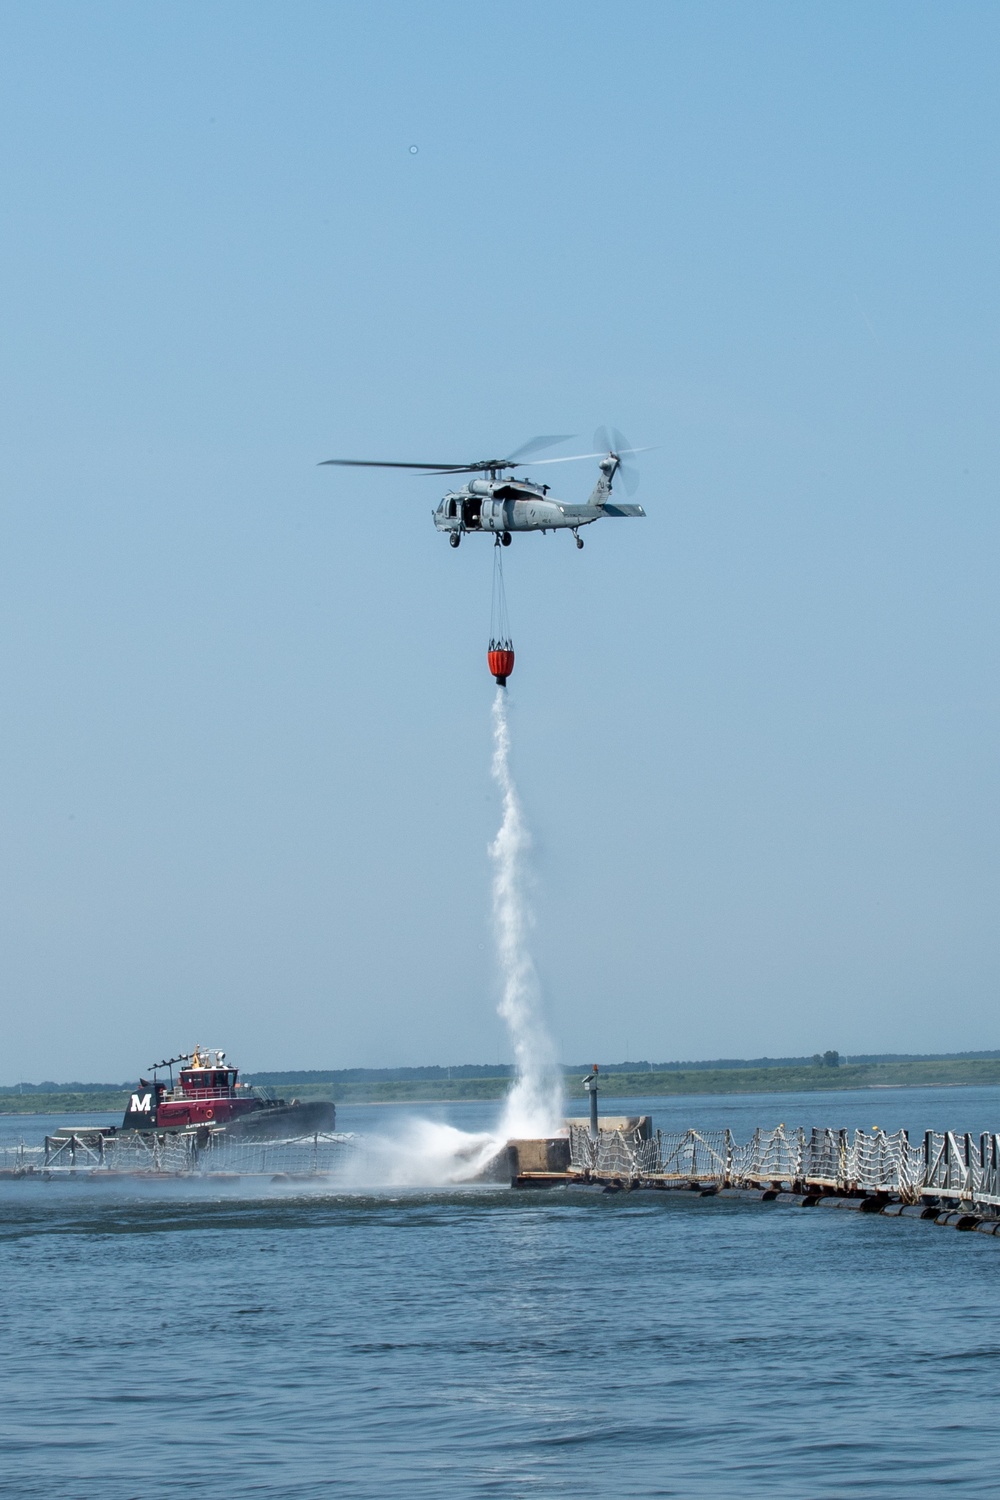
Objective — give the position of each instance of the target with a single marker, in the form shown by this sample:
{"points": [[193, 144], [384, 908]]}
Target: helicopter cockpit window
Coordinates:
{"points": [[452, 507]]}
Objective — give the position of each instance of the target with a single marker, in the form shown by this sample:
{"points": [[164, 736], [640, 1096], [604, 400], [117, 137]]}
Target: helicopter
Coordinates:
{"points": [[500, 505]]}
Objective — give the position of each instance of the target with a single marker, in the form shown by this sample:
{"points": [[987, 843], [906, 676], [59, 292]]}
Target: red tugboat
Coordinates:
{"points": [[208, 1094]]}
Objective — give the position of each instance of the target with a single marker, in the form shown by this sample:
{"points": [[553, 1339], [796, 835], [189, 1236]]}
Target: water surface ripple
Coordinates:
{"points": [[277, 1342]]}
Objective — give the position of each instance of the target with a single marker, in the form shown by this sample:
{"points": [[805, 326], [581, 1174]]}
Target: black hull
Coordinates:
{"points": [[280, 1121]]}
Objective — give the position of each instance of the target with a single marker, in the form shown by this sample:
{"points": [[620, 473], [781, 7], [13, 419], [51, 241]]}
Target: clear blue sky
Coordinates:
{"points": [[244, 777]]}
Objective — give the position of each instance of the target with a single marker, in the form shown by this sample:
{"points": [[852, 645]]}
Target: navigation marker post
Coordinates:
{"points": [[590, 1084]]}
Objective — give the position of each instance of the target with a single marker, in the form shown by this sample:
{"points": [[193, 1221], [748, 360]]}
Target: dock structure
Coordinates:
{"points": [[188, 1153], [949, 1177], [943, 1174]]}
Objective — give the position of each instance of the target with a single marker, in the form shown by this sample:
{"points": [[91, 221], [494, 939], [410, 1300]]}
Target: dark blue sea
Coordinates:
{"points": [[170, 1342]]}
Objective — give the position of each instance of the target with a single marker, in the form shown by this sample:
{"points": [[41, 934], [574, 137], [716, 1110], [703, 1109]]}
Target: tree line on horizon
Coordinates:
{"points": [[437, 1072]]}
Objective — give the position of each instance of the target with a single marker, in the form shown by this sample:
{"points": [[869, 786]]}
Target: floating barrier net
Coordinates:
{"points": [[191, 1153], [941, 1166]]}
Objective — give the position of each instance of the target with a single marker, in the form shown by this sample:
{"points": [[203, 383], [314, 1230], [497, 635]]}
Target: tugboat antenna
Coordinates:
{"points": [[169, 1061]]}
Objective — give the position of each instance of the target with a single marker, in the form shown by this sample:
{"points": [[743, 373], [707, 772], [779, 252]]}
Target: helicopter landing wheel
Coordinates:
{"points": [[579, 541], [506, 538], [454, 538]]}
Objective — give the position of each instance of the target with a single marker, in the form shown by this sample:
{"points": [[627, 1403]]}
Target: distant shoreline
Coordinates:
{"points": [[690, 1084]]}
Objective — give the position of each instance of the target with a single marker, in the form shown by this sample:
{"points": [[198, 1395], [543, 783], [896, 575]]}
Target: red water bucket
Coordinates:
{"points": [[501, 664]]}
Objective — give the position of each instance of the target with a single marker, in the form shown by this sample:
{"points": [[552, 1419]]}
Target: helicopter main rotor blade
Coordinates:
{"points": [[603, 453], [517, 460], [377, 463], [537, 445]]}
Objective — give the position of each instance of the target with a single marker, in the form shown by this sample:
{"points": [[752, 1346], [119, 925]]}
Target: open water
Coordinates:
{"points": [[289, 1344]]}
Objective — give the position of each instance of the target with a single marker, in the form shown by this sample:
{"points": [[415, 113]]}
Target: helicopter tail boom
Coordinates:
{"points": [[601, 493]]}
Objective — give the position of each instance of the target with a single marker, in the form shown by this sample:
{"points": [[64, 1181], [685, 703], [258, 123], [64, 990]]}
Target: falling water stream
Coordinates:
{"points": [[423, 1152], [534, 1104]]}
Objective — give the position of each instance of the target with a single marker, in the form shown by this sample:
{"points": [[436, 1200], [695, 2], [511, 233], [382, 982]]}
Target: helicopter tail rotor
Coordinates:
{"points": [[617, 445]]}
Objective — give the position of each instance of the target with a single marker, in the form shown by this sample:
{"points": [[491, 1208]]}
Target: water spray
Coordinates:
{"points": [[534, 1105]]}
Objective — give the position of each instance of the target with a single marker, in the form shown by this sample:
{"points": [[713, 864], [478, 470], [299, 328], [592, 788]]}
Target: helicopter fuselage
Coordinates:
{"points": [[503, 506]]}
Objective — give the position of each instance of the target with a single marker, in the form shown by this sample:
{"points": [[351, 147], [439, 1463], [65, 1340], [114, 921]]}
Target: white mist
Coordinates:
{"points": [[426, 1153], [535, 1104]]}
